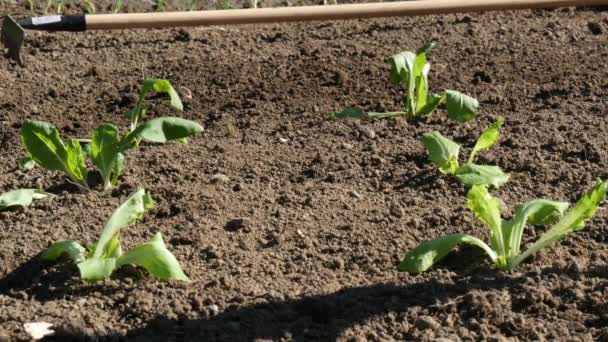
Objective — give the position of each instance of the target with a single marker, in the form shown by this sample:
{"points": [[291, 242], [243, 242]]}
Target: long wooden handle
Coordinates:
{"points": [[306, 13]]}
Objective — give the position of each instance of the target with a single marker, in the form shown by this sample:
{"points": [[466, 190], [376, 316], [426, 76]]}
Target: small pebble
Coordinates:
{"points": [[355, 194], [220, 178], [213, 308]]}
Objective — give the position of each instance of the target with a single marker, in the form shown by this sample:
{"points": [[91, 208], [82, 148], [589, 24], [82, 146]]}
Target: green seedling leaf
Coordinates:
{"points": [[487, 209], [155, 258], [472, 174], [487, 139], [46, 149], [119, 165], [460, 107], [349, 113], [573, 220], [26, 163], [162, 86], [106, 155], [72, 249], [403, 70], [430, 252], [536, 212], [164, 129], [432, 102], [442, 151], [95, 269], [130, 211], [401, 64], [20, 198]]}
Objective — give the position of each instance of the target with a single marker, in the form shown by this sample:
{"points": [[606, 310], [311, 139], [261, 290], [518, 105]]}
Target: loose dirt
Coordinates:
{"points": [[299, 240]]}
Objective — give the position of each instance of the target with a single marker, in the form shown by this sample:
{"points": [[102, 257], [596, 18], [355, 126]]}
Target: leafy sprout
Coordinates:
{"points": [[160, 5], [138, 113], [504, 248], [193, 5], [20, 198], [444, 153], [411, 69], [226, 4], [107, 147], [106, 256], [117, 7]]}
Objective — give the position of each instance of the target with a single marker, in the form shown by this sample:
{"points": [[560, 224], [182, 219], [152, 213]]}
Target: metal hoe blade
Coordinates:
{"points": [[12, 37]]}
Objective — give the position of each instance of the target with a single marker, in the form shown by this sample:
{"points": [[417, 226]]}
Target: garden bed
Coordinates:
{"points": [[301, 238]]}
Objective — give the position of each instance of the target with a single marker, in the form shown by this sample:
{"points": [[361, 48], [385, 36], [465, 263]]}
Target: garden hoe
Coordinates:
{"points": [[13, 31]]}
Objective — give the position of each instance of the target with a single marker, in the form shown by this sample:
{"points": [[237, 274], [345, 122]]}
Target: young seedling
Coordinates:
{"points": [[105, 256], [506, 235], [193, 5], [117, 6], [138, 113], [160, 5], [20, 198], [412, 69], [107, 147], [443, 152]]}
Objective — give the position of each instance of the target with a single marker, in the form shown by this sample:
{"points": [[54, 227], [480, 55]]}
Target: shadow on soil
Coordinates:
{"points": [[314, 318]]}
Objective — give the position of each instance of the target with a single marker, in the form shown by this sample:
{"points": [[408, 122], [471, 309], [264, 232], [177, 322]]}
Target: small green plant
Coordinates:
{"points": [[59, 4], [160, 5], [90, 4], [117, 7], [506, 235], [443, 152], [105, 256], [107, 147], [20, 198], [193, 5], [226, 4], [411, 69], [138, 113]]}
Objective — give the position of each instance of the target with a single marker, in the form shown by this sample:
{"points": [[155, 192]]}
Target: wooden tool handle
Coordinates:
{"points": [[306, 13]]}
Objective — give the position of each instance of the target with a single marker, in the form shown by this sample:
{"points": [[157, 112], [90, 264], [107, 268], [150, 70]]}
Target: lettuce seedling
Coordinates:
{"points": [[138, 113], [106, 148], [506, 235], [412, 69], [443, 152], [105, 256], [20, 198]]}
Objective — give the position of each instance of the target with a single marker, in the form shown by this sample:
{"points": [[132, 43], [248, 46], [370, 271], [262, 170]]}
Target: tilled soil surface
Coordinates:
{"points": [[300, 239]]}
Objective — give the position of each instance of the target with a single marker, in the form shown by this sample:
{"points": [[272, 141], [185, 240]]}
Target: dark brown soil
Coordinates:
{"points": [[302, 241]]}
